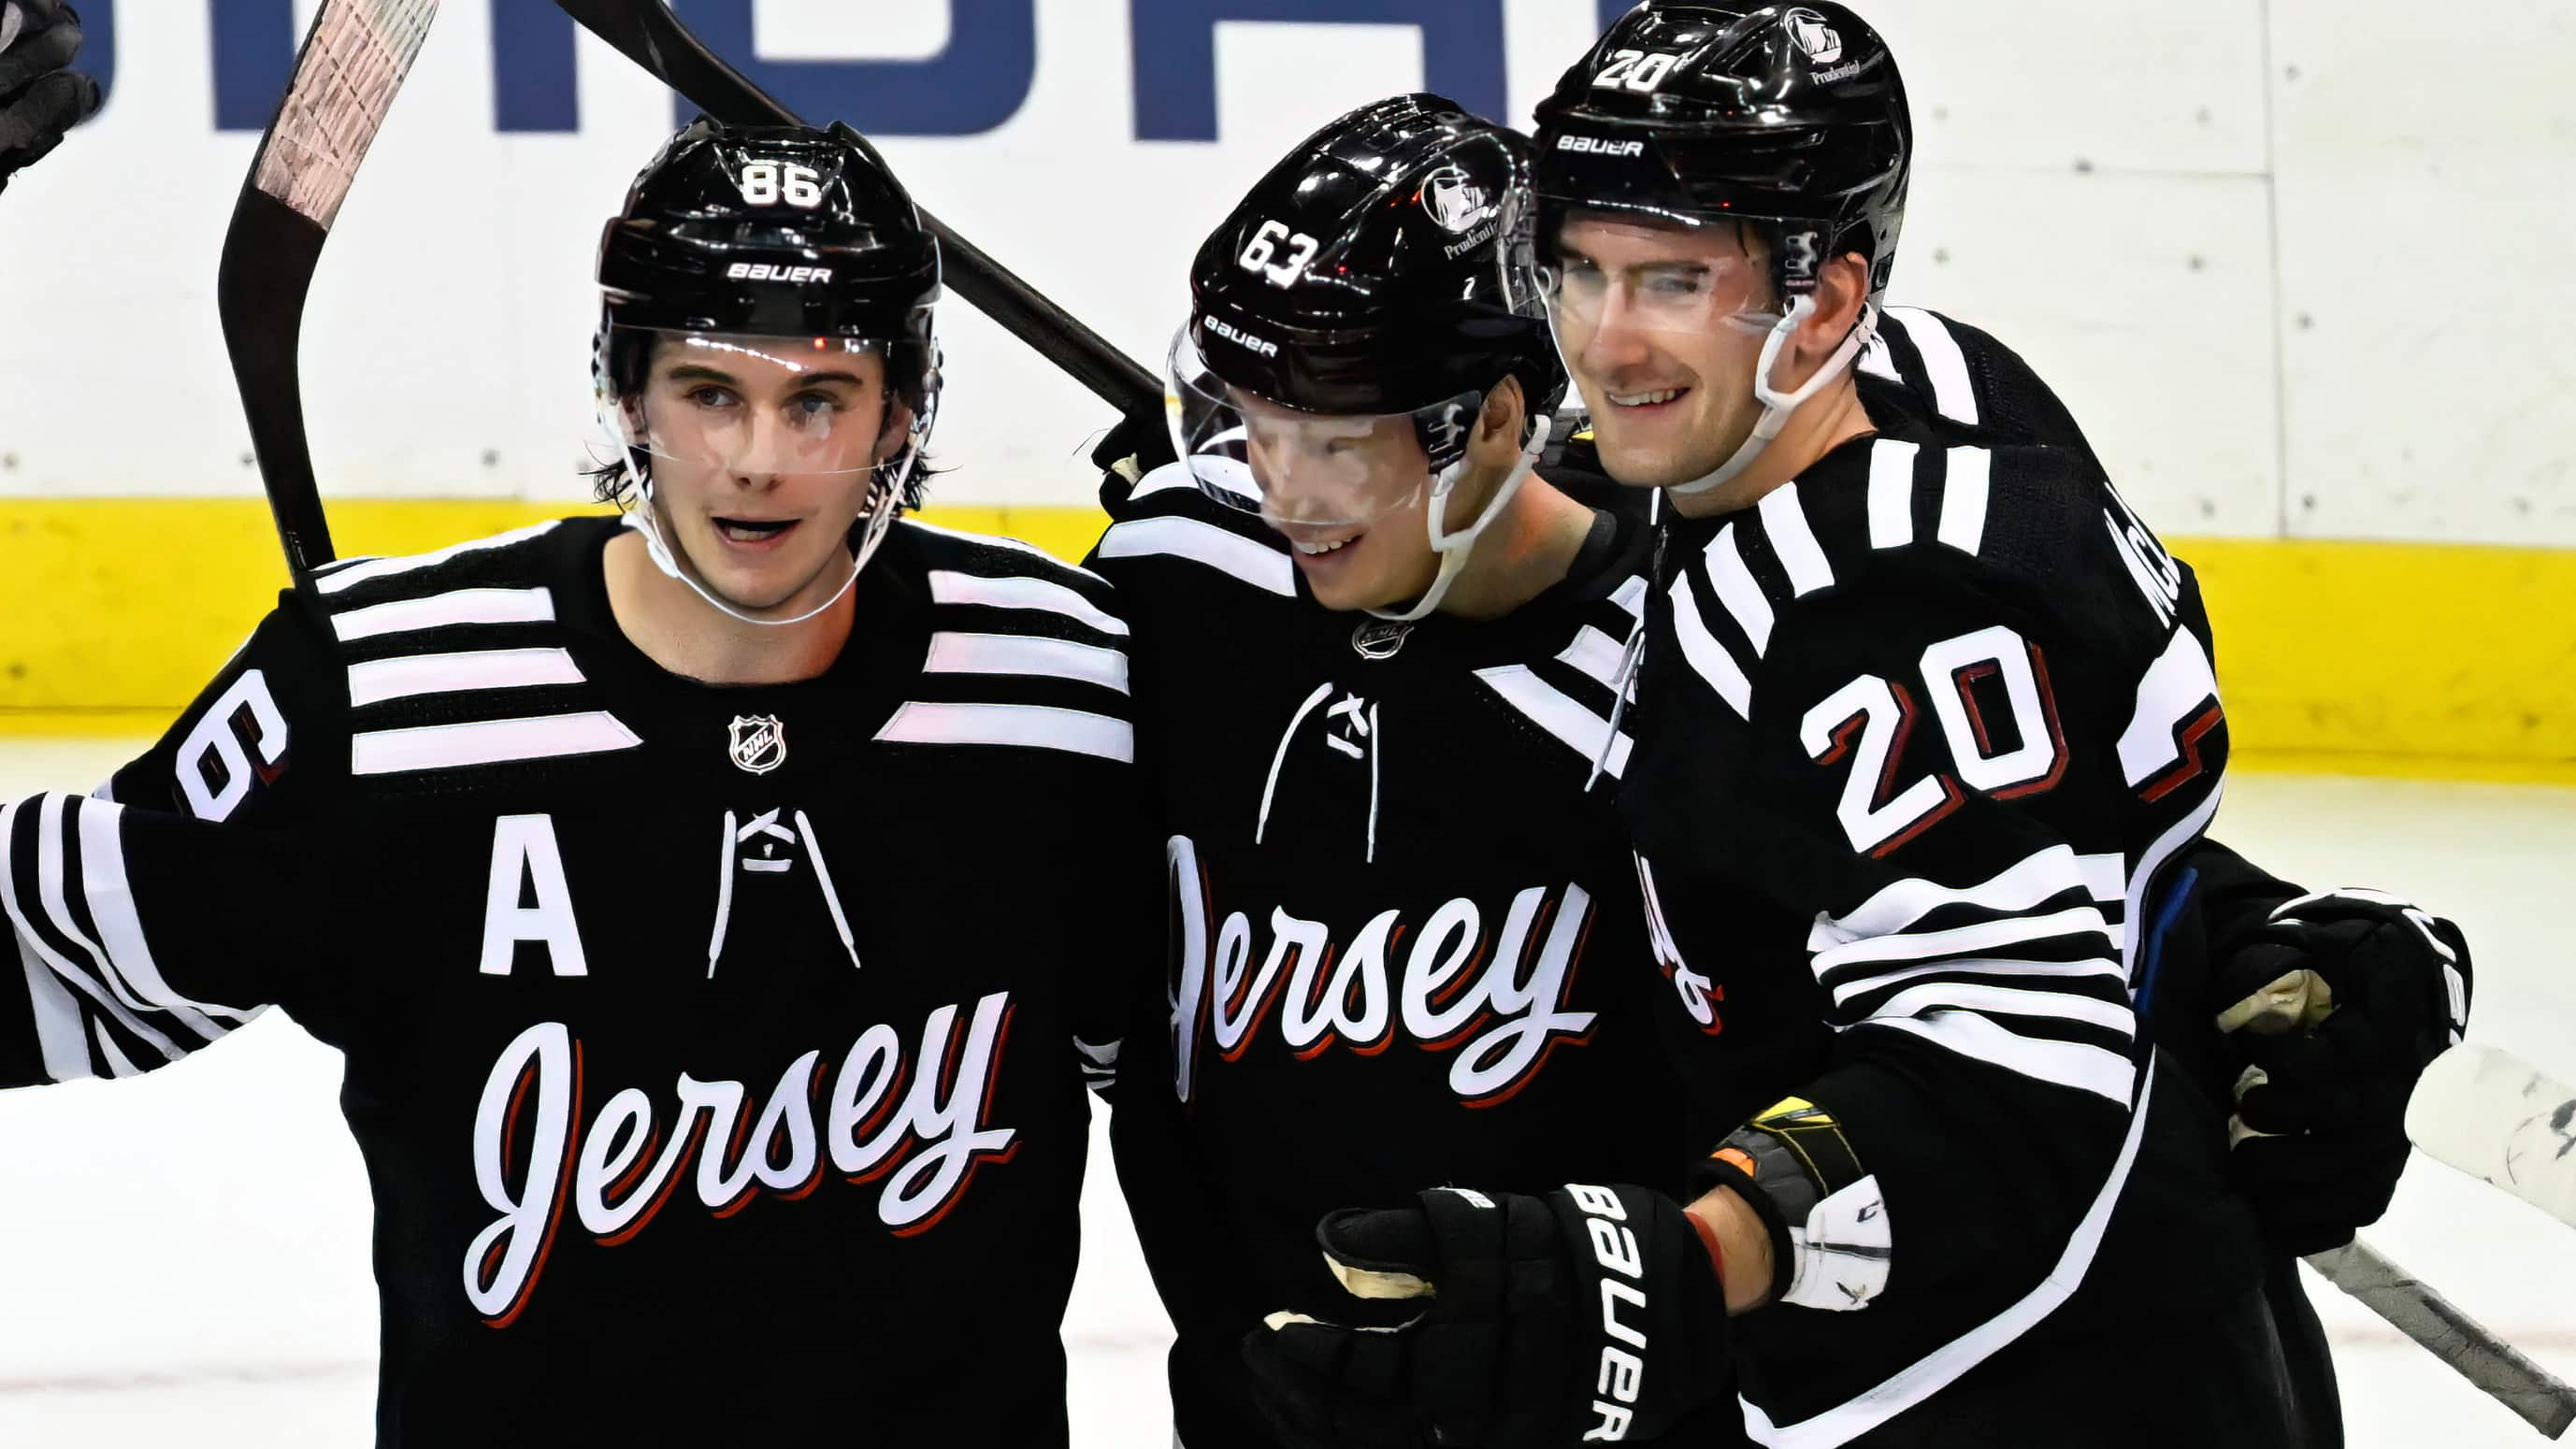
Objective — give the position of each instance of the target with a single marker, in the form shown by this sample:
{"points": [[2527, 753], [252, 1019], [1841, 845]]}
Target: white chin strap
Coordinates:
{"points": [[644, 519], [1777, 405], [1454, 548]]}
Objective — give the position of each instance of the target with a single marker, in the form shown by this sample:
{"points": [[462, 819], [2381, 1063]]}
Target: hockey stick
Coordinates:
{"points": [[354, 60], [2500, 1370], [646, 32], [2501, 1120]]}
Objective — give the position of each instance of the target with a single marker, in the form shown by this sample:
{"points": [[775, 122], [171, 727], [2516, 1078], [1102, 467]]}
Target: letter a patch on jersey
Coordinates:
{"points": [[526, 863]]}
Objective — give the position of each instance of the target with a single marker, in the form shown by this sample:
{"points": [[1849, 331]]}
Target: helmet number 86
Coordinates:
{"points": [[767, 183], [1264, 244]]}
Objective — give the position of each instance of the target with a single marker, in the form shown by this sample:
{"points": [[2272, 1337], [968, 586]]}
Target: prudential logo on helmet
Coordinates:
{"points": [[1820, 41], [1455, 201]]}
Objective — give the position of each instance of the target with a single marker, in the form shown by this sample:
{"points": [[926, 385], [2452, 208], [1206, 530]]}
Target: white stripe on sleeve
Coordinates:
{"points": [[1227, 553], [1784, 522], [1899, 904], [1953, 393], [1595, 655], [411, 676], [487, 742], [956, 653], [1034, 726], [1963, 499], [59, 1041], [1992, 1000], [2061, 1063], [1846, 991], [1891, 493], [1705, 654], [948, 586], [1976, 936], [1553, 711], [446, 611], [1736, 590], [120, 925]]}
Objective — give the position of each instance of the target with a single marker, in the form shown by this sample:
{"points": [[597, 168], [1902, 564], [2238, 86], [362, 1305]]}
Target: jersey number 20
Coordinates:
{"points": [[1870, 719]]}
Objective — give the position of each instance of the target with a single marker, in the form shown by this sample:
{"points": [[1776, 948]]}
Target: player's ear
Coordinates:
{"points": [[1842, 289], [1504, 405], [896, 432]]}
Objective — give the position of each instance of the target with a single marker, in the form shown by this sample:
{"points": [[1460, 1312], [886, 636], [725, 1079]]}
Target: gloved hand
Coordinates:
{"points": [[1588, 1313], [1143, 444], [2339, 1001], [39, 99]]}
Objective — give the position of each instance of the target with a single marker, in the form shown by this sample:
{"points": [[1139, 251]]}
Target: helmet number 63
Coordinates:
{"points": [[767, 183], [1264, 244]]}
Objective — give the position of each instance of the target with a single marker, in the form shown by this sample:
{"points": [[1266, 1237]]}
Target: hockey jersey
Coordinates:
{"points": [[1406, 948], [1917, 739], [711, 1050]]}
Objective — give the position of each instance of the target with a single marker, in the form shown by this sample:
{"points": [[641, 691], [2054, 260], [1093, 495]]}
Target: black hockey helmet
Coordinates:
{"points": [[774, 231], [778, 247], [1349, 321], [1789, 116], [1359, 275]]}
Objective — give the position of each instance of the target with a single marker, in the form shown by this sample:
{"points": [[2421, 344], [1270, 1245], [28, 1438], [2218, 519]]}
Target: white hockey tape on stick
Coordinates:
{"points": [[2496, 1367], [2501, 1120]]}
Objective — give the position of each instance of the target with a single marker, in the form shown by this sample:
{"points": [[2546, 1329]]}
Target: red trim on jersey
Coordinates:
{"points": [[2056, 734], [2191, 765], [554, 1215]]}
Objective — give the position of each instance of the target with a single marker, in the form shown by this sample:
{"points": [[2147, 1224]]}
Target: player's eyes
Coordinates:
{"points": [[709, 396], [1673, 284], [808, 407]]}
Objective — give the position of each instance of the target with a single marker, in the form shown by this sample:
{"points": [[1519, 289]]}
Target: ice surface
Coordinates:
{"points": [[185, 1255]]}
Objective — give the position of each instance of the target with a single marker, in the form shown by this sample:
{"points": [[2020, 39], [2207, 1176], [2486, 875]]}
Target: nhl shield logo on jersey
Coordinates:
{"points": [[1455, 201], [759, 742], [1820, 41], [1380, 638]]}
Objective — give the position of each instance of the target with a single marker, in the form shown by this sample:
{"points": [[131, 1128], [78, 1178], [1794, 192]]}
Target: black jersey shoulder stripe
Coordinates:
{"points": [[1560, 714], [342, 581], [450, 609], [1026, 652], [1228, 550], [1023, 593], [1167, 515], [1573, 694], [995, 555], [464, 671], [1939, 366], [1026, 726]]}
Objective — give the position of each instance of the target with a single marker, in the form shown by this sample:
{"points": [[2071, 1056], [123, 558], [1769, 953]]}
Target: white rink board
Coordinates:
{"points": [[448, 339]]}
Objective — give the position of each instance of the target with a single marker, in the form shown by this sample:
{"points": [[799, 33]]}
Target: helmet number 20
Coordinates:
{"points": [[1635, 70], [1257, 254], [767, 183]]}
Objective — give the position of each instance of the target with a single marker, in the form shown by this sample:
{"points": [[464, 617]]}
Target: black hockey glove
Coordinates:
{"points": [[1592, 1313], [1138, 443], [2340, 1001], [39, 100]]}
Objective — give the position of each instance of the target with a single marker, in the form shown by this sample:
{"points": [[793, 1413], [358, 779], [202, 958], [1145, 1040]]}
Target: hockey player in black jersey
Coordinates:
{"points": [[1351, 597], [1926, 722], [704, 981]]}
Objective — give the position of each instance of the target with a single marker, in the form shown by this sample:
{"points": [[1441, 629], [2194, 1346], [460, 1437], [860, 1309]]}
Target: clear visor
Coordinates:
{"points": [[1603, 273], [1302, 470], [756, 406]]}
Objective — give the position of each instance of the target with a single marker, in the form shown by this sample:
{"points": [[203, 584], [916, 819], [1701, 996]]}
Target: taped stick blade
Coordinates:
{"points": [[2501, 1120]]}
